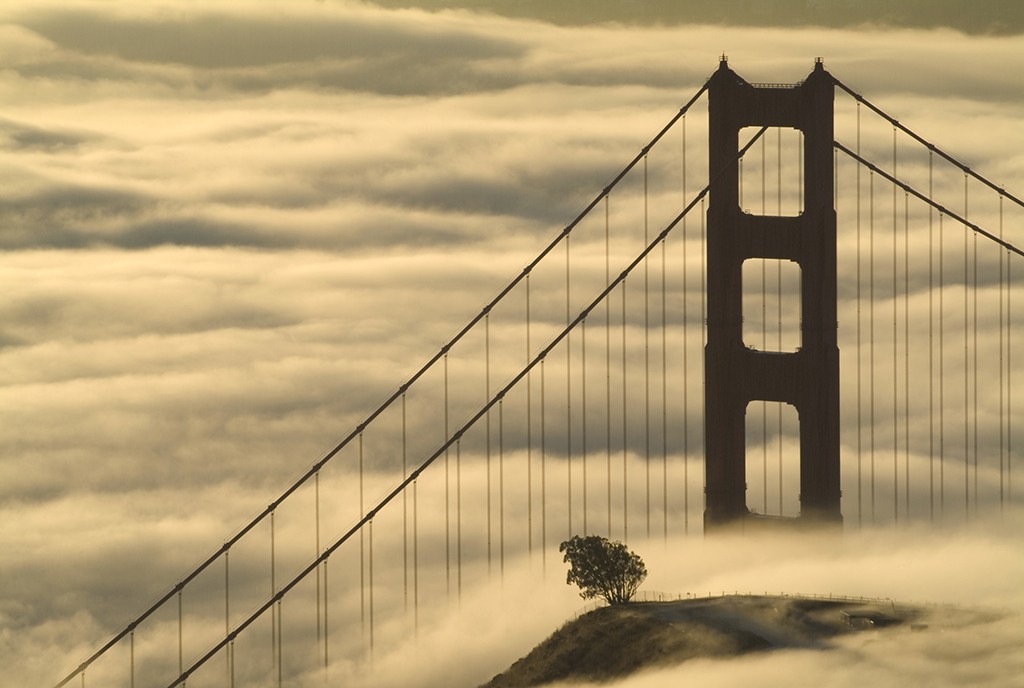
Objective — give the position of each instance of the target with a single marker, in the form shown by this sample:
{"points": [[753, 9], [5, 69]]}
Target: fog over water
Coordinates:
{"points": [[229, 232]]}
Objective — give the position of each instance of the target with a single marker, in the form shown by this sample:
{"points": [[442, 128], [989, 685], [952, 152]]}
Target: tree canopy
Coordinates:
{"points": [[602, 568]]}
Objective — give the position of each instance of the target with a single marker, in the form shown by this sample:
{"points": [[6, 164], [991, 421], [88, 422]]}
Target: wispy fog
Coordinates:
{"points": [[966, 579]]}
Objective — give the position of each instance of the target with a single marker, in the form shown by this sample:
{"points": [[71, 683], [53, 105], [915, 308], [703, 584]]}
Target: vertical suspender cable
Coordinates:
{"points": [[370, 575], [280, 647], [647, 366], [1002, 385], [181, 637], [487, 425], [529, 431], [326, 625], [501, 488], [316, 547], [568, 393], [871, 334], [906, 352], [543, 469], [895, 346], [870, 329], [583, 416], [686, 385], [405, 518], [273, 591], [131, 658], [625, 432], [974, 291], [608, 360], [703, 339], [458, 518], [967, 371], [275, 609], [415, 557], [1009, 385], [362, 545], [931, 345], [227, 610], [447, 487], [860, 376], [664, 395], [686, 392], [942, 401]]}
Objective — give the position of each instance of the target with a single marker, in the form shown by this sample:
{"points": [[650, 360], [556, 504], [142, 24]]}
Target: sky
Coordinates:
{"points": [[229, 232]]}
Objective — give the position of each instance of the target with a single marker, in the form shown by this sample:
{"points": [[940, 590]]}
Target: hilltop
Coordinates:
{"points": [[612, 642]]}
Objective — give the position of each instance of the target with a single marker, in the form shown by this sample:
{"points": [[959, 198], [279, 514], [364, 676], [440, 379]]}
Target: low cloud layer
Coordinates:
{"points": [[230, 232], [990, 17], [965, 578]]}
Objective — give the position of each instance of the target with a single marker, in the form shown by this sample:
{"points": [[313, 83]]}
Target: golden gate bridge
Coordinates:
{"points": [[576, 396]]}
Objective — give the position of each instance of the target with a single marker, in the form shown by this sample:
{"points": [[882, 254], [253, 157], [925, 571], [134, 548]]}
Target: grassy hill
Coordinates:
{"points": [[612, 642]]}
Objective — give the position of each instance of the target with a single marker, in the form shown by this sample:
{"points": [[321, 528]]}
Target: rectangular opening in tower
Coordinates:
{"points": [[772, 172], [773, 458], [772, 305]]}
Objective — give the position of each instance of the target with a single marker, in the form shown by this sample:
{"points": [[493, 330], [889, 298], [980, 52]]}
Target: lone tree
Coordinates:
{"points": [[602, 568]]}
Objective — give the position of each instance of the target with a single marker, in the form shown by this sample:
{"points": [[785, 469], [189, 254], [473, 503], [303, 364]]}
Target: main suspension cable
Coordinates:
{"points": [[943, 210], [929, 145], [368, 517], [317, 466]]}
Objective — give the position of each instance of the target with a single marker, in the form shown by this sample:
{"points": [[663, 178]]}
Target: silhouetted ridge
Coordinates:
{"points": [[612, 642]]}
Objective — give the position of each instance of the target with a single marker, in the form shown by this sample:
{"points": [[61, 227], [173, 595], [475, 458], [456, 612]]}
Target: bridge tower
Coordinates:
{"points": [[808, 378]]}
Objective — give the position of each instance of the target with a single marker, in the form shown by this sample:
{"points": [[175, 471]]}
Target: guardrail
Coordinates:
{"points": [[657, 596]]}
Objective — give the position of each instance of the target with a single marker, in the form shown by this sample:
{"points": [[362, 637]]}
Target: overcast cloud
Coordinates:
{"points": [[229, 232]]}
